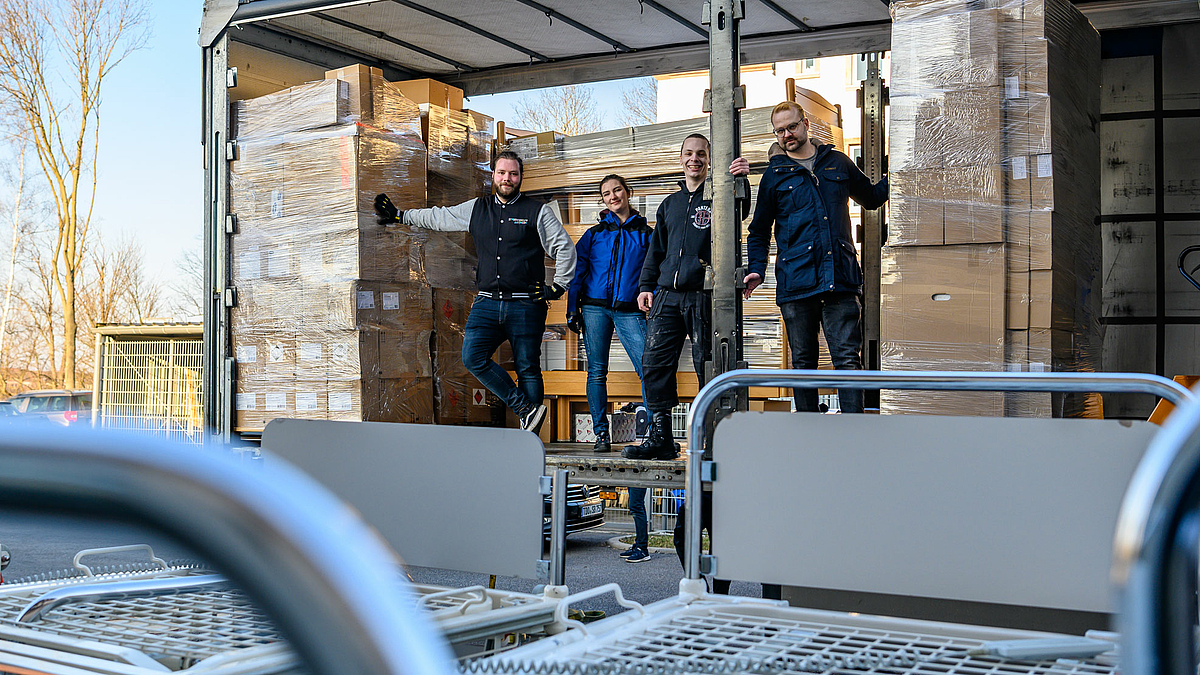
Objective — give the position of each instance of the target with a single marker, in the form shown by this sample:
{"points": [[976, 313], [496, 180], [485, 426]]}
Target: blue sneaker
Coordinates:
{"points": [[637, 556], [628, 552]]}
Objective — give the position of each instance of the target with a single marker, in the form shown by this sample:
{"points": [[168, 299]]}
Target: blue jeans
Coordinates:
{"points": [[641, 524], [522, 323], [599, 323], [839, 315]]}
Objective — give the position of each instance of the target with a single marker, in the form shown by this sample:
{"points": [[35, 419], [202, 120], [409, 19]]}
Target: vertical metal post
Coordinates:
{"points": [[558, 529], [872, 98], [99, 364], [217, 385]]}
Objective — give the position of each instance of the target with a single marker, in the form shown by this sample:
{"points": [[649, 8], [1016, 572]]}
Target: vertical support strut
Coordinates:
{"points": [[218, 380], [872, 98]]}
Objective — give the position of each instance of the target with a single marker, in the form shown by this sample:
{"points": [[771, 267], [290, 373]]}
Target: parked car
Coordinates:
{"points": [[585, 509], [60, 406]]}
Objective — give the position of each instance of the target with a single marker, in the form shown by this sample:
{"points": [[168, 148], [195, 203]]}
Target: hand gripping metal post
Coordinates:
{"points": [[306, 558], [1154, 551], [1107, 383]]}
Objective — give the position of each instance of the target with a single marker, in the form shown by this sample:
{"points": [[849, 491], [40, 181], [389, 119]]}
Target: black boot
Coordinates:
{"points": [[659, 444], [602, 443]]}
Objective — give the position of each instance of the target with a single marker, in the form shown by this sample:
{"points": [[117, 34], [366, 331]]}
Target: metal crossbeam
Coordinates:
{"points": [[773, 6], [618, 471], [675, 17], [555, 14], [473, 28], [378, 34]]}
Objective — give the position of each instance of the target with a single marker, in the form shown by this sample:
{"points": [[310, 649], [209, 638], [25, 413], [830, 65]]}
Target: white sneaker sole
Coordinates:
{"points": [[534, 421]]}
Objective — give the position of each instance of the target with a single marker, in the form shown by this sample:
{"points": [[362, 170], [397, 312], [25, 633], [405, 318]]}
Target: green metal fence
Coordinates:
{"points": [[150, 384]]}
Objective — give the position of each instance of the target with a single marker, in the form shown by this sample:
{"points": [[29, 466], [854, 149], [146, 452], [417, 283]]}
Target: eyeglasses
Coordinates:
{"points": [[791, 128]]}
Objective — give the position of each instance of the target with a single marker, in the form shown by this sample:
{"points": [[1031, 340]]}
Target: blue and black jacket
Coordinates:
{"points": [[610, 256], [811, 219]]}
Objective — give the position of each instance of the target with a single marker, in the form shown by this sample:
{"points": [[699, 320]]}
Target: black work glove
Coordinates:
{"points": [[575, 322], [548, 292], [387, 211]]}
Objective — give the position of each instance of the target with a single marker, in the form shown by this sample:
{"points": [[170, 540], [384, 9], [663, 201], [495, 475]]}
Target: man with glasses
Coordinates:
{"points": [[803, 198]]}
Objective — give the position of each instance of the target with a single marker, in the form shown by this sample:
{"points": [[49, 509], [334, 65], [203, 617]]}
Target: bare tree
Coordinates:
{"points": [[187, 287], [62, 113], [18, 228], [570, 109], [640, 103]]}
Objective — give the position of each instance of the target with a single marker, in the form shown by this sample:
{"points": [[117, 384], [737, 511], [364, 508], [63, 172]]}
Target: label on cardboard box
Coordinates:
{"points": [[391, 301], [1012, 87], [341, 351], [246, 401], [249, 265], [247, 354], [276, 203], [277, 263], [478, 397], [1020, 168], [276, 400], [366, 299], [310, 351], [306, 401], [340, 401], [1045, 167]]}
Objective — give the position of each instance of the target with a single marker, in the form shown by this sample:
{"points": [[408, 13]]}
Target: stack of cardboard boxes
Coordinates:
{"points": [[334, 315], [993, 251]]}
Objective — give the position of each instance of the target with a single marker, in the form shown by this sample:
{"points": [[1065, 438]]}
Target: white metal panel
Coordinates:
{"points": [[1009, 510], [1127, 167], [461, 498], [1181, 62], [1127, 85], [1128, 278]]}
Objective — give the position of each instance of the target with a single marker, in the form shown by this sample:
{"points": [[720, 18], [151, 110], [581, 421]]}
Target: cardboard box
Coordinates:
{"points": [[1017, 288], [916, 207], [1052, 299], [392, 110], [972, 127], [539, 146], [393, 307], [431, 92], [358, 79], [308, 106], [974, 205]]}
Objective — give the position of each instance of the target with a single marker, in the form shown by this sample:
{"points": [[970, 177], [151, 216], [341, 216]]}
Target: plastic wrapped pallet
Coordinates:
{"points": [[993, 254], [459, 398], [459, 144]]}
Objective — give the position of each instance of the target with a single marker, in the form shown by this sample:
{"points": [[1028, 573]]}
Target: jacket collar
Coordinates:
{"points": [[612, 221], [782, 161], [516, 196]]}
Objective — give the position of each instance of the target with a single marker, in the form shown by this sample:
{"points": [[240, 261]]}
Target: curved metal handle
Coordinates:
{"points": [[115, 549], [560, 612], [119, 590], [271, 529], [877, 379], [1184, 271]]}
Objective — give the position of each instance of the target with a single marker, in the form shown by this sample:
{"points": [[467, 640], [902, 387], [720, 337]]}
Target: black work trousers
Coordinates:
{"points": [[674, 317]]}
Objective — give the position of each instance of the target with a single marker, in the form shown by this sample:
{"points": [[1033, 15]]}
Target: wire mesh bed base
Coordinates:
{"points": [[739, 635]]}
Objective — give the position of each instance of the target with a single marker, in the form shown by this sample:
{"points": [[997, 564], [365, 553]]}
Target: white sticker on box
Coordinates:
{"points": [[1012, 87], [1038, 368], [276, 203], [276, 353], [366, 299], [277, 262], [339, 400], [391, 301], [246, 401], [1045, 168], [341, 351], [276, 400], [1020, 168], [310, 351], [306, 401], [248, 264], [247, 354]]}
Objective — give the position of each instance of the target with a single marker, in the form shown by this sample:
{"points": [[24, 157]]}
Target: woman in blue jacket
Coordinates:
{"points": [[603, 299]]}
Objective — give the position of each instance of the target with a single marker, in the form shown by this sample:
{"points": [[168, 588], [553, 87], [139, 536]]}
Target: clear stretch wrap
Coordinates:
{"points": [[460, 153], [334, 313], [993, 253]]}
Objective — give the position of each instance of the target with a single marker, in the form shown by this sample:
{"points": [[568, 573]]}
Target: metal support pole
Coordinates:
{"points": [[873, 234], [558, 529], [724, 100], [217, 380]]}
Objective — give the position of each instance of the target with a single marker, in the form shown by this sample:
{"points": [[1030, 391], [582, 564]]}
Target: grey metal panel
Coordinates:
{"points": [[1181, 47], [1111, 14], [1181, 165], [1129, 266], [1127, 166], [1010, 511], [459, 498], [1181, 349], [1127, 85], [1129, 349], [1182, 298]]}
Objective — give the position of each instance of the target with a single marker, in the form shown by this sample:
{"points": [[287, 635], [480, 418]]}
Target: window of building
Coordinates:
{"points": [[808, 68], [860, 67]]}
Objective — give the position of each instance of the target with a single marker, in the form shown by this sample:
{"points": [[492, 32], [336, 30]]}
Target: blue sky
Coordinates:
{"points": [[150, 166]]}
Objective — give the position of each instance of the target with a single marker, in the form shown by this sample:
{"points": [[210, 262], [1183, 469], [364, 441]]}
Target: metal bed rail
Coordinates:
{"points": [[1107, 383]]}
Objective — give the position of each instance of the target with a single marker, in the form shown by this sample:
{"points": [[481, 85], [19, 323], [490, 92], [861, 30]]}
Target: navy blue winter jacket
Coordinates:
{"points": [[610, 256], [811, 219]]}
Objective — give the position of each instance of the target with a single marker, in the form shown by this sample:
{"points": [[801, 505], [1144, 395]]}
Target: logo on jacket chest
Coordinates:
{"points": [[702, 217], [519, 221]]}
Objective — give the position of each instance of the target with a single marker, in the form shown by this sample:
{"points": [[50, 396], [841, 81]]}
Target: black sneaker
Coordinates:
{"points": [[637, 556], [532, 420], [602, 443], [627, 552]]}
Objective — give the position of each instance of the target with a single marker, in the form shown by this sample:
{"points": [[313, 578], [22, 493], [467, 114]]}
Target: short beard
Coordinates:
{"points": [[500, 190]]}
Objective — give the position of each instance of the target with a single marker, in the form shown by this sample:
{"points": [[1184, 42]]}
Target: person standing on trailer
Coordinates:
{"points": [[512, 234], [803, 197], [602, 300]]}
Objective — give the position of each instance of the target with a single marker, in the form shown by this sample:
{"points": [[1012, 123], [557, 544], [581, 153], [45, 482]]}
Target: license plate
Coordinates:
{"points": [[591, 510]]}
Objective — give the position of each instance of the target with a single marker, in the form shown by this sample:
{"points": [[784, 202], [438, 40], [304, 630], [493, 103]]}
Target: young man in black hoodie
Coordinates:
{"points": [[672, 292]]}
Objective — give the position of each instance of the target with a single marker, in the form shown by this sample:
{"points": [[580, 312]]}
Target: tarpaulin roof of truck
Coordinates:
{"points": [[488, 46]]}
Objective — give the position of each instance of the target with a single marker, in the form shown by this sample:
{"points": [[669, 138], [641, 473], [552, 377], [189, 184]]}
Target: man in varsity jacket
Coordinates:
{"points": [[512, 234]]}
